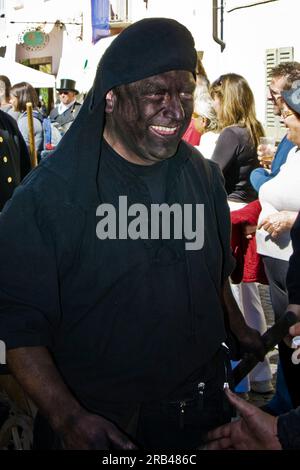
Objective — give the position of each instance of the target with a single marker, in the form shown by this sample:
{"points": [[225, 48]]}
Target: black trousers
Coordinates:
{"points": [[181, 421], [276, 271]]}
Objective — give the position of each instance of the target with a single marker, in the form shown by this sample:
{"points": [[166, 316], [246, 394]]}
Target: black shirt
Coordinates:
{"points": [[154, 176], [125, 320], [236, 156]]}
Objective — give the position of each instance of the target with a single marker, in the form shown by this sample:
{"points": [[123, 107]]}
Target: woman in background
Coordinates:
{"points": [[192, 135], [236, 154], [206, 122], [235, 151], [20, 94], [280, 202], [5, 87]]}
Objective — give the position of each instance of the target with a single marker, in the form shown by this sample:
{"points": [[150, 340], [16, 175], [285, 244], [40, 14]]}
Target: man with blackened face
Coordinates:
{"points": [[146, 119], [114, 305]]}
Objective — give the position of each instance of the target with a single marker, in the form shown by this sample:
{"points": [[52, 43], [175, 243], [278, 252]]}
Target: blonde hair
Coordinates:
{"points": [[237, 104]]}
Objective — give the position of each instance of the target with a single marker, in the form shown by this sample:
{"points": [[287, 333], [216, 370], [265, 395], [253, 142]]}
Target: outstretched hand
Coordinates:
{"points": [[92, 432], [254, 430]]}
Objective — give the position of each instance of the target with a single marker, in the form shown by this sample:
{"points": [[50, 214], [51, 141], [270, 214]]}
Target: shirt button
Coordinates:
{"points": [[5, 159], [9, 179]]}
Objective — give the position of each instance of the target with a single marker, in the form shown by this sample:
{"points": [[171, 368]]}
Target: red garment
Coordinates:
{"points": [[191, 135], [249, 265]]}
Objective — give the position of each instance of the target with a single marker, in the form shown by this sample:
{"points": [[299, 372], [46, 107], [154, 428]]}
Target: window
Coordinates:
{"points": [[119, 11], [274, 57]]}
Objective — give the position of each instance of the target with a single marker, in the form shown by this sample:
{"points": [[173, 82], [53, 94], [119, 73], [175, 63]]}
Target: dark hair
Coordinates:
{"points": [[25, 93], [6, 81], [287, 70], [293, 77]]}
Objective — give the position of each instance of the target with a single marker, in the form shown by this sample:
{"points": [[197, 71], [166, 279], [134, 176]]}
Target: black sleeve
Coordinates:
{"points": [[293, 275], [22, 154], [223, 219], [29, 292], [288, 429], [226, 148], [25, 165]]}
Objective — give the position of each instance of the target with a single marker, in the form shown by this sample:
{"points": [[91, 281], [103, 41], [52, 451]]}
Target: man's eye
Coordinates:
{"points": [[187, 95], [156, 93]]}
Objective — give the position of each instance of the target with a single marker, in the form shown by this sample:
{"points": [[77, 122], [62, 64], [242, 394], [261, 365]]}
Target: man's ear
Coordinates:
{"points": [[110, 99]]}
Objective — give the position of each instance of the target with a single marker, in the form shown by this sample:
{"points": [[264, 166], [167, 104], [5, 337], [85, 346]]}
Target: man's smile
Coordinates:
{"points": [[164, 130]]}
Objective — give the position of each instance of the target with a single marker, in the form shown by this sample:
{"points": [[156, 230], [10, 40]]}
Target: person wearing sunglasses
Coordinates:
{"points": [[281, 77], [68, 108]]}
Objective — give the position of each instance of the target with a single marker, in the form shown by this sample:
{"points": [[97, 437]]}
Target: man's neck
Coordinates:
{"points": [[128, 155], [63, 107]]}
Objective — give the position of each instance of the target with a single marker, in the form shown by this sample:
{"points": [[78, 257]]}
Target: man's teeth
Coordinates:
{"points": [[165, 129]]}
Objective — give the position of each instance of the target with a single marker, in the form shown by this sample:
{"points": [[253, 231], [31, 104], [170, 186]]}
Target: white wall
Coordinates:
{"points": [[248, 32], [53, 49]]}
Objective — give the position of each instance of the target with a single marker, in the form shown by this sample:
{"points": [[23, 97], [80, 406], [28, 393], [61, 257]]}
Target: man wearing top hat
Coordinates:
{"points": [[68, 108]]}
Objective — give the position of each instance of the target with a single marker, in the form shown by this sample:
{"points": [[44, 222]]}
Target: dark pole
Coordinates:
{"points": [[222, 19], [215, 25], [270, 338]]}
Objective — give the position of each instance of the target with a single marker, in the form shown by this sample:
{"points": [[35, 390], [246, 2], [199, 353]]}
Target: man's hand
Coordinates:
{"points": [[87, 431], [276, 224], [254, 430], [249, 231], [295, 329], [36, 372], [250, 341]]}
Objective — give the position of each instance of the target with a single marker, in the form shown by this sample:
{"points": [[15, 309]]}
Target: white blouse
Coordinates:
{"points": [[280, 193]]}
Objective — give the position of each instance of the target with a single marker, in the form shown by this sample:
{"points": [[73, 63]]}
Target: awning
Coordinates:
{"points": [[21, 73]]}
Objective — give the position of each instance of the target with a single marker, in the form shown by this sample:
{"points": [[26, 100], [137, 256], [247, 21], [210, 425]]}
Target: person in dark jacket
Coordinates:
{"points": [[113, 326], [68, 108], [14, 158]]}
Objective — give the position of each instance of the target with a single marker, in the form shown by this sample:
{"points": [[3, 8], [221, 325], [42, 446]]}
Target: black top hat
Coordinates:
{"points": [[67, 85]]}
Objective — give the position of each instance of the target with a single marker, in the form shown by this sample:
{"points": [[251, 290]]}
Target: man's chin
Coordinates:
{"points": [[165, 154]]}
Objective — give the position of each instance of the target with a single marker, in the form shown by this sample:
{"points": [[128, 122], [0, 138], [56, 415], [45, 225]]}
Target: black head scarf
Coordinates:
{"points": [[146, 48]]}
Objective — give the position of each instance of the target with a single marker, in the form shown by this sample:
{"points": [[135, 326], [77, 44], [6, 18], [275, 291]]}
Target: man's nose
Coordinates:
{"points": [[174, 107]]}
